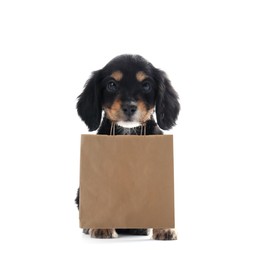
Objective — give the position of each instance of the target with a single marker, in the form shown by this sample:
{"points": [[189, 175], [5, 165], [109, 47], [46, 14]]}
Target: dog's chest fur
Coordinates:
{"points": [[150, 129], [128, 131]]}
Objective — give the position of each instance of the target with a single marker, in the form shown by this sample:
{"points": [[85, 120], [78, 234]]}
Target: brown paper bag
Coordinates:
{"points": [[126, 181]]}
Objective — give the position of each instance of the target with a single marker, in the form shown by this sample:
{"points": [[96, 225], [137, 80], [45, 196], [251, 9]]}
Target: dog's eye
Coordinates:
{"points": [[111, 86], [146, 86]]}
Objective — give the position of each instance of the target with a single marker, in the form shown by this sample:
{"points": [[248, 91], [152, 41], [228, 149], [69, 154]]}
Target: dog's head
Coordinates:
{"points": [[128, 89]]}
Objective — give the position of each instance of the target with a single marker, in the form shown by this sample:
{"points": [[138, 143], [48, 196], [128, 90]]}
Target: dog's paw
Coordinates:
{"points": [[103, 233], [164, 234]]}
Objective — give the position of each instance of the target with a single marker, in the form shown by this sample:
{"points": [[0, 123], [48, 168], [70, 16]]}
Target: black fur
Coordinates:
{"points": [[89, 102], [97, 96], [167, 105]]}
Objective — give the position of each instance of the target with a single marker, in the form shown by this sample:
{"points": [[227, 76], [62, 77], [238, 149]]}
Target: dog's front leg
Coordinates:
{"points": [[164, 234], [103, 233]]}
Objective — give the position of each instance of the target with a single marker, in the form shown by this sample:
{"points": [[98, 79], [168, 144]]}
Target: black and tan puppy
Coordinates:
{"points": [[129, 89]]}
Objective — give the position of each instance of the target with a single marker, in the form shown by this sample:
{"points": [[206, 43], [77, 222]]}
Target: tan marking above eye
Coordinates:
{"points": [[117, 75], [140, 76]]}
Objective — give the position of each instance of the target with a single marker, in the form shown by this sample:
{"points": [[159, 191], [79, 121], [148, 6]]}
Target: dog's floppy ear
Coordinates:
{"points": [[167, 104], [89, 102]]}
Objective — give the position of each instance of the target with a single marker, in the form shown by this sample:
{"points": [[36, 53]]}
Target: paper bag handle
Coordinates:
{"points": [[113, 128]]}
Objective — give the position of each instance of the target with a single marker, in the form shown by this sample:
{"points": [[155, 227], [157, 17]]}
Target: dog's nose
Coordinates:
{"points": [[129, 109]]}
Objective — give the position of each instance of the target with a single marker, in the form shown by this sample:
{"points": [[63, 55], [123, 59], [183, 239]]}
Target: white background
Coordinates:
{"points": [[209, 49]]}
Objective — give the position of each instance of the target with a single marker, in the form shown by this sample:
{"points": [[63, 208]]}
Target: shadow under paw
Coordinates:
{"points": [[86, 231], [140, 232]]}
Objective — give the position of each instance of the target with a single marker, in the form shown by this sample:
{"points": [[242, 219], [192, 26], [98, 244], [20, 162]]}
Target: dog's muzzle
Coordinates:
{"points": [[129, 109]]}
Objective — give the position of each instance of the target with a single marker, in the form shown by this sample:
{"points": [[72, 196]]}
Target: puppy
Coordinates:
{"points": [[129, 89]]}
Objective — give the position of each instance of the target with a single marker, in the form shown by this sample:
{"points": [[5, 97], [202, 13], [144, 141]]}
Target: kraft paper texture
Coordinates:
{"points": [[126, 181]]}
